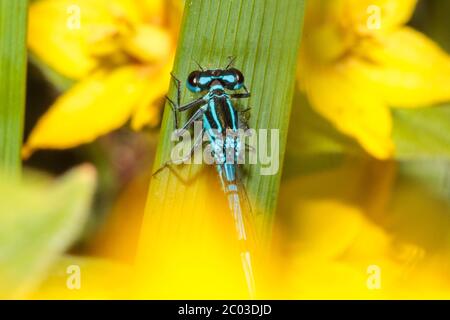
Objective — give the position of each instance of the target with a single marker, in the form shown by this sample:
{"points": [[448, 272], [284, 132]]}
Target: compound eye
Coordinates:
{"points": [[228, 80], [193, 81], [239, 78]]}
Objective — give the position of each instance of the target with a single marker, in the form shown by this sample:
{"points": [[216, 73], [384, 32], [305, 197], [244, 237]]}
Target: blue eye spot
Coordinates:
{"points": [[192, 88], [229, 78], [238, 86], [203, 81]]}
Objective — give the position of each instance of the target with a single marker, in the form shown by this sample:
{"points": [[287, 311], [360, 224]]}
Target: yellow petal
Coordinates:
{"points": [[73, 278], [374, 16], [149, 43], [342, 223], [118, 237], [154, 9], [62, 32], [95, 106], [149, 107], [351, 106], [327, 235], [331, 204], [406, 68]]}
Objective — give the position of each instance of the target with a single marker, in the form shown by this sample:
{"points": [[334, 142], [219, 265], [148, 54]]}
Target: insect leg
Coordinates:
{"points": [[246, 110], [197, 115], [246, 94], [250, 148], [196, 103], [240, 95], [168, 164], [174, 106], [177, 108], [178, 85]]}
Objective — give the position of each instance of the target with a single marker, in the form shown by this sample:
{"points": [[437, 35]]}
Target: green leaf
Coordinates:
{"points": [[39, 221], [431, 174], [13, 62], [315, 144], [431, 17], [419, 209], [421, 133], [264, 36], [60, 82]]}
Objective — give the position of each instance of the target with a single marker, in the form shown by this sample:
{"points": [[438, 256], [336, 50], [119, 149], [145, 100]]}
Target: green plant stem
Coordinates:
{"points": [[13, 63], [184, 224], [264, 36]]}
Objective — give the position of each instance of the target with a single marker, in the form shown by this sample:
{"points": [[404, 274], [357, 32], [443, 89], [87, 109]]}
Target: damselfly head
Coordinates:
{"points": [[199, 80]]}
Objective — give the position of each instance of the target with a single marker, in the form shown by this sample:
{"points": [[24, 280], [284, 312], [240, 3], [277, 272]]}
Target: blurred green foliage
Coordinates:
{"points": [[39, 220]]}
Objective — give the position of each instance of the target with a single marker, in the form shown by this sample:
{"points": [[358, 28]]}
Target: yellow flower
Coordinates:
{"points": [[353, 232], [182, 253], [119, 51], [333, 228], [118, 237], [358, 59]]}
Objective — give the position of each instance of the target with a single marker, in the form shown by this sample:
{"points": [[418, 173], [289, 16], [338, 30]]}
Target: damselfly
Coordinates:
{"points": [[220, 123]]}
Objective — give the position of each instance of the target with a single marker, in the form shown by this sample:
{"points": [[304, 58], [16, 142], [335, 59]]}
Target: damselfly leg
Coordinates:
{"points": [[177, 107], [168, 164]]}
